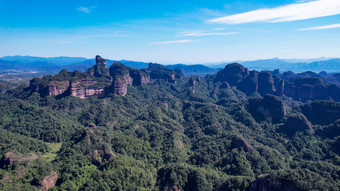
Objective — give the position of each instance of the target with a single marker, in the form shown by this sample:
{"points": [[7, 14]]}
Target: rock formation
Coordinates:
{"points": [[158, 71], [268, 106], [99, 80], [321, 112], [49, 181], [266, 83], [311, 89], [123, 76], [10, 157], [232, 73], [86, 88], [250, 83], [100, 69], [263, 184], [297, 122]]}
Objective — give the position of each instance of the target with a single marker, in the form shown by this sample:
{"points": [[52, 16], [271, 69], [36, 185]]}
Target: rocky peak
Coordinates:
{"points": [[268, 106], [158, 71], [100, 69], [266, 83], [100, 60], [297, 122], [249, 84], [123, 76], [232, 73]]}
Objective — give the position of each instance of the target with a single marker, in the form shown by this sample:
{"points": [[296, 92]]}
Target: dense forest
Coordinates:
{"points": [[192, 133]]}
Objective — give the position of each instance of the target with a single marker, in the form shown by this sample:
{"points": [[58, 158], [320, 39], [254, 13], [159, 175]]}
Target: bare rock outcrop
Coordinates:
{"points": [[10, 157], [49, 181], [86, 88], [263, 184], [100, 69], [52, 87]]}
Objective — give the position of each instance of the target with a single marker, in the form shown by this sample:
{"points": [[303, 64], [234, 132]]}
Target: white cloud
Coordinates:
{"points": [[174, 42], [291, 12], [85, 9], [198, 34], [321, 27], [57, 42], [65, 42]]}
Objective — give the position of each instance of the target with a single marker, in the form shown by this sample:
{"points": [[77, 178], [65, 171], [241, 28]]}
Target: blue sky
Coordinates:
{"points": [[171, 31]]}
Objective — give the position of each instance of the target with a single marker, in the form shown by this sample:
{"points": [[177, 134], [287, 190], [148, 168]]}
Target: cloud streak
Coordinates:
{"points": [[84, 10], [198, 34], [174, 42], [320, 27], [291, 12]]}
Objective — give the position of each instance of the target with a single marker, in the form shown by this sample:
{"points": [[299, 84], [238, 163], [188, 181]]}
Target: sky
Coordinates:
{"points": [[171, 31]]}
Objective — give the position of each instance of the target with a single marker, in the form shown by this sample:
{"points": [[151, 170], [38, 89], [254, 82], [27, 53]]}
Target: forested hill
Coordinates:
{"points": [[121, 128]]}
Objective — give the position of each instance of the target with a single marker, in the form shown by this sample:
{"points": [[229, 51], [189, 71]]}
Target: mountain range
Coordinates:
{"points": [[20, 65]]}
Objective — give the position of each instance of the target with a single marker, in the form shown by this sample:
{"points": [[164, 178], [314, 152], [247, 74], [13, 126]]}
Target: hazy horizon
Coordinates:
{"points": [[302, 60]]}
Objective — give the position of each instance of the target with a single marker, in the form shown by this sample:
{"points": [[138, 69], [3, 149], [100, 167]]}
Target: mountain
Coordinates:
{"points": [[295, 65], [62, 60], [114, 127], [192, 70], [29, 66]]}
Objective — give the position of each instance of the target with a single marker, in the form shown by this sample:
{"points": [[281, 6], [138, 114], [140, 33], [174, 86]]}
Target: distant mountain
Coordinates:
{"points": [[62, 60], [22, 65], [28, 67], [55, 64], [296, 60], [190, 70], [83, 65], [295, 65]]}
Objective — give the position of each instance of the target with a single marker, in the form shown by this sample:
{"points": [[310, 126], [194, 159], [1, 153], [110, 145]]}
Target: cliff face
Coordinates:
{"points": [[123, 76], [250, 83], [139, 77], [266, 83], [82, 89], [263, 184], [96, 81], [247, 81], [67, 83], [311, 89], [302, 87], [295, 123], [52, 88], [269, 106], [321, 112], [120, 86], [56, 88], [10, 157], [49, 181]]}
